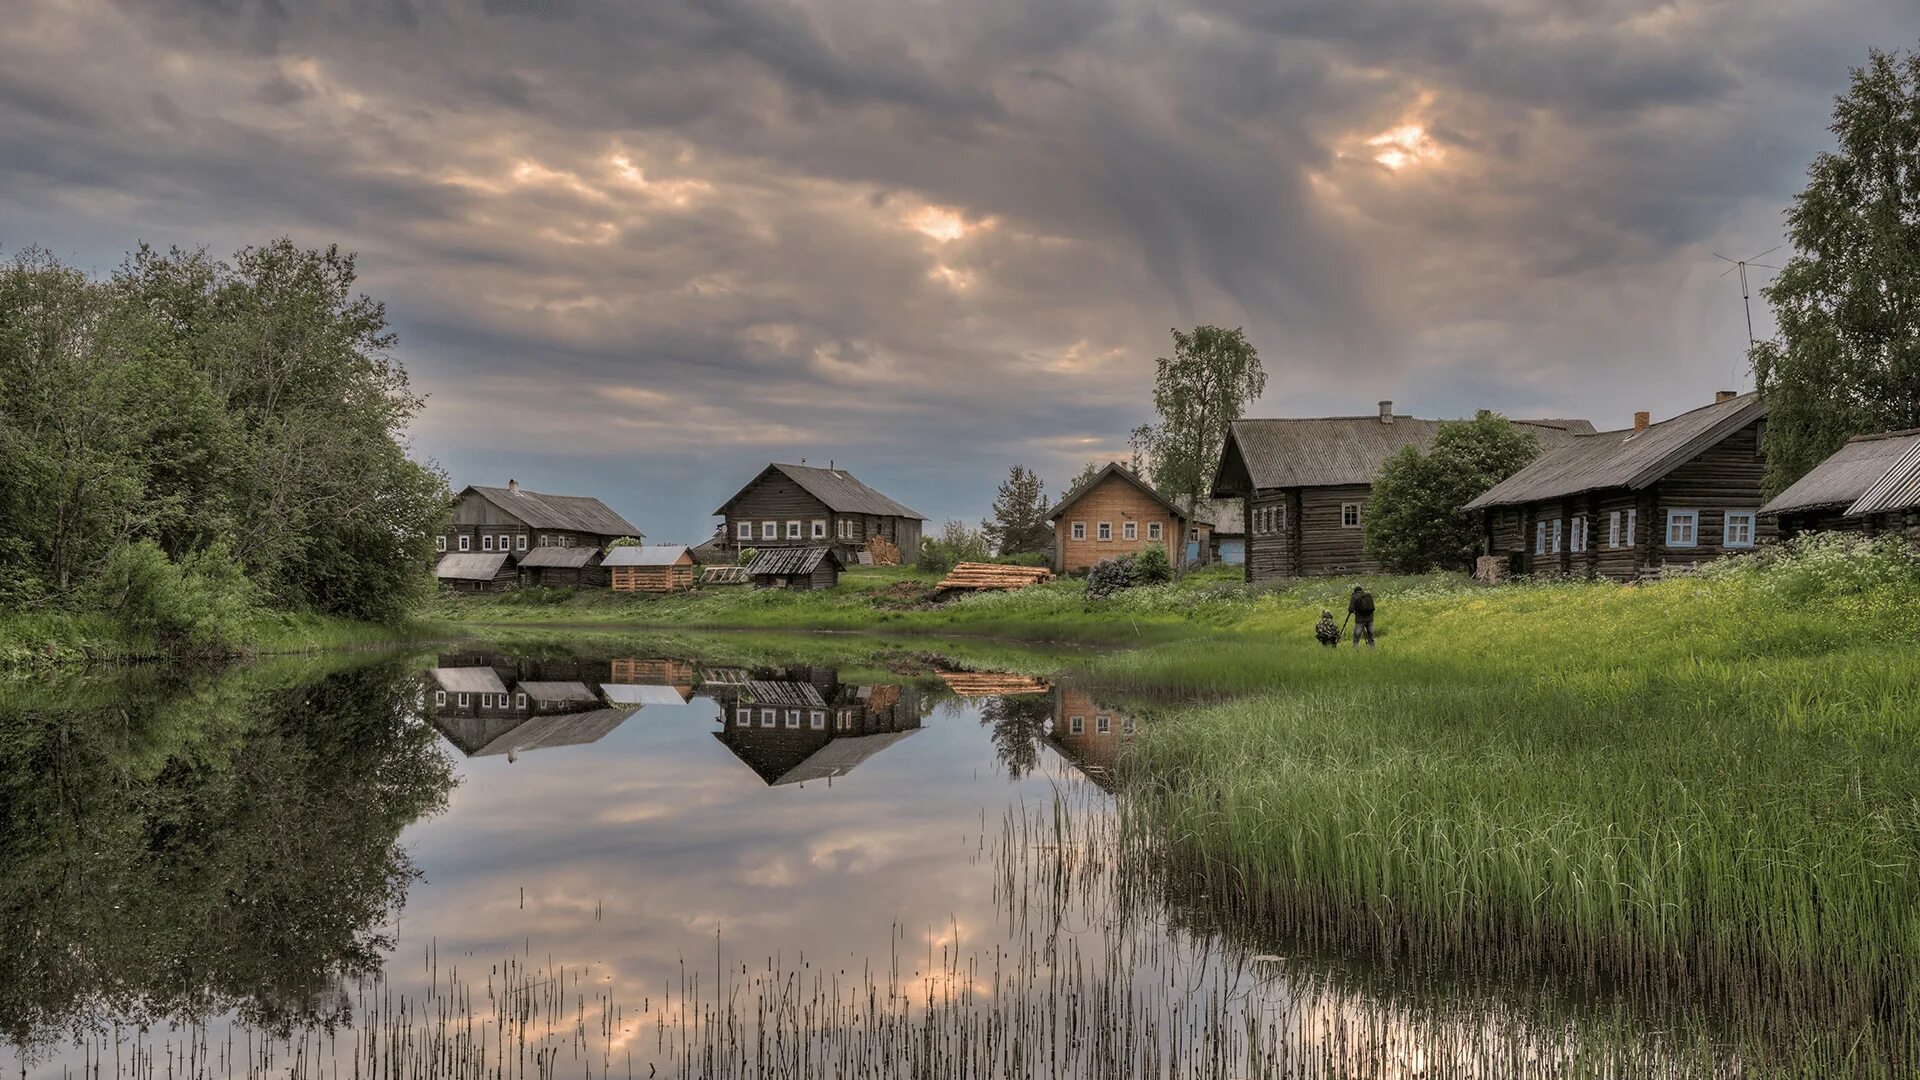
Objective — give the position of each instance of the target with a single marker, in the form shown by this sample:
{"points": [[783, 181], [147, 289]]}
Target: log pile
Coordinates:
{"points": [[993, 684], [884, 552], [979, 575]]}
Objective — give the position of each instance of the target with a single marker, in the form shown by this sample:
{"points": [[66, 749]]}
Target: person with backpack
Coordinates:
{"points": [[1360, 610], [1325, 632]]}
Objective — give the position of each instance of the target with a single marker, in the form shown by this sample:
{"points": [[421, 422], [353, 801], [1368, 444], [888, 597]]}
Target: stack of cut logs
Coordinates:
{"points": [[884, 552], [993, 684], [980, 575]]}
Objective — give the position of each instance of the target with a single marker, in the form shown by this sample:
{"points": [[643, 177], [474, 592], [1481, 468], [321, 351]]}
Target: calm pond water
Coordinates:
{"points": [[576, 862]]}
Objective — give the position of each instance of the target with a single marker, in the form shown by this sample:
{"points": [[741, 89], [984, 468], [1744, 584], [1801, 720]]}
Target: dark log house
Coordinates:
{"points": [[514, 521], [790, 506]]}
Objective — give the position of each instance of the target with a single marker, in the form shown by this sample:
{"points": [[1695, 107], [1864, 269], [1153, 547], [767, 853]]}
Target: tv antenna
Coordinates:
{"points": [[1746, 296]]}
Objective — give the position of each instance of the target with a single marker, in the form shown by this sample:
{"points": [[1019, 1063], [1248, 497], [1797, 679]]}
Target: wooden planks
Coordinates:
{"points": [[974, 576], [993, 683]]}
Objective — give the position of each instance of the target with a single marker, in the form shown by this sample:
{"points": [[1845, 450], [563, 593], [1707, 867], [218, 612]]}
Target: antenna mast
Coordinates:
{"points": [[1746, 296]]}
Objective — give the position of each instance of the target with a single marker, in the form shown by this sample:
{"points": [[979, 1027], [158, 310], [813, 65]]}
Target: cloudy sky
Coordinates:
{"points": [[639, 248]]}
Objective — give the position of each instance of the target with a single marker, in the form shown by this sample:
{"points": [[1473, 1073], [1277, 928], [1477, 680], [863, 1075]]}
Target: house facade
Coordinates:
{"points": [[515, 521], [1303, 485], [789, 506], [1871, 486], [791, 725], [1632, 503], [1111, 514]]}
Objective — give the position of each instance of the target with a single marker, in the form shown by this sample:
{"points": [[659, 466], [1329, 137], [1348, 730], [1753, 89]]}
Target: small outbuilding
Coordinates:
{"points": [[1871, 485], [796, 568], [650, 567], [475, 571], [562, 567]]}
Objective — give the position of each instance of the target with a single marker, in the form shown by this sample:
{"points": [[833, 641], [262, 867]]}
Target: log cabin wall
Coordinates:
{"points": [[1727, 476], [1116, 502], [1326, 545], [1271, 516], [776, 498]]}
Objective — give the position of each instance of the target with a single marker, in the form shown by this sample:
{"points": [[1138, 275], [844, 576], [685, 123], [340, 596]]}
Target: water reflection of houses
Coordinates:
{"points": [[1089, 734], [791, 725], [488, 704]]}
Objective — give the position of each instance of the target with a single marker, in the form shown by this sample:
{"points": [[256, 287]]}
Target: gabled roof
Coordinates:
{"points": [[559, 556], [575, 513], [1114, 468], [1899, 489], [1624, 459], [469, 680], [646, 555], [642, 694], [562, 729], [557, 692], [791, 560], [1329, 450], [470, 565], [837, 488], [1847, 476]]}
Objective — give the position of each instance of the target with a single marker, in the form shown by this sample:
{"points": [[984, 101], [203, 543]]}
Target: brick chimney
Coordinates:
{"points": [[1642, 421], [1386, 412], [1722, 395], [513, 486]]}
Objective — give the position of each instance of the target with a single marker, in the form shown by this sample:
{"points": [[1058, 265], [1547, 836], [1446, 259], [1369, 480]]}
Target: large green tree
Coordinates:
{"points": [[1019, 522], [1210, 379], [1416, 518], [1846, 359]]}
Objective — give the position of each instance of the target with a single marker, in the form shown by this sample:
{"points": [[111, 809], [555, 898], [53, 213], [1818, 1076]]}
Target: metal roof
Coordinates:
{"points": [[837, 488], [470, 565], [790, 560], [1847, 475], [1899, 489], [559, 556], [1114, 468], [469, 680], [646, 555], [1624, 459], [575, 513], [1329, 450]]}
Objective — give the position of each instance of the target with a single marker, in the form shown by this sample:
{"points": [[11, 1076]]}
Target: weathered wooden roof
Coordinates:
{"points": [[1845, 477], [470, 565], [557, 691], [560, 729], [648, 555], [782, 692], [1899, 489], [559, 556], [1328, 450], [790, 560], [1624, 459], [642, 694], [1226, 517], [1113, 468], [836, 488], [469, 680], [574, 513]]}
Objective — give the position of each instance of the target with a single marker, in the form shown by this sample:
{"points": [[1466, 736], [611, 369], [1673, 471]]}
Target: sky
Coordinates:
{"points": [[639, 249]]}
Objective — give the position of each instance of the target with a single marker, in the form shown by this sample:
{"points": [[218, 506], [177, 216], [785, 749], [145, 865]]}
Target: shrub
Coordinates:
{"points": [[1151, 566], [748, 554], [1109, 576], [198, 606], [956, 544]]}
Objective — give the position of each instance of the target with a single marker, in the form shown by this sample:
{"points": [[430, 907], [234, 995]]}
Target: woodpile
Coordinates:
{"points": [[993, 684], [979, 575], [884, 552]]}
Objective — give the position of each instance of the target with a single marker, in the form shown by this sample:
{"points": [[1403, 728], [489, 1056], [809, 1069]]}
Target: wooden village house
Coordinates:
{"points": [[497, 534], [1113, 513], [650, 567], [799, 506], [792, 725], [1627, 504], [1304, 484], [1871, 485]]}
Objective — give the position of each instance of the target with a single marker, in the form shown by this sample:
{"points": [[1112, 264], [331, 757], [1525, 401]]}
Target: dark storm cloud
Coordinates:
{"points": [[642, 247]]}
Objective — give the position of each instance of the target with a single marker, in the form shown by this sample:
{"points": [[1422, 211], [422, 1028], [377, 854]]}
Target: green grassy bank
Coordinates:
{"points": [[31, 641]]}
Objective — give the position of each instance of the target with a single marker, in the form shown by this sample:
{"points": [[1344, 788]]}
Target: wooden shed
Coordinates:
{"points": [[475, 571], [650, 567], [796, 568], [563, 567], [1871, 485]]}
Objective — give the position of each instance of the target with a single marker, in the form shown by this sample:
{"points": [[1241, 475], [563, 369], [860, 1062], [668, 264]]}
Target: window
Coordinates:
{"points": [[486, 543], [844, 528], [1153, 530], [463, 701], [743, 717], [1079, 530], [1613, 529], [504, 545], [566, 540], [1556, 537], [1739, 529], [1106, 531], [793, 530], [1633, 520], [1126, 725], [743, 531], [793, 718], [1103, 724], [817, 719], [769, 530], [520, 542], [768, 717], [1349, 515], [440, 543], [1130, 531], [1077, 724], [439, 697], [1683, 528], [519, 701], [1193, 534], [546, 539], [1539, 538], [1579, 541], [820, 529]]}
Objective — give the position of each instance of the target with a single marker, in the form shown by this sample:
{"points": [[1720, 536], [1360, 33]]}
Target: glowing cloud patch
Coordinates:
{"points": [[1405, 146]]}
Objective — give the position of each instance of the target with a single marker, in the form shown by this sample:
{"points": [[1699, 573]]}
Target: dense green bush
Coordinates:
{"points": [[198, 606], [956, 544], [1151, 566], [1109, 576]]}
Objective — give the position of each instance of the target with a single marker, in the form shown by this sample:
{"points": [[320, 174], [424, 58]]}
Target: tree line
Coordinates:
{"points": [[188, 438]]}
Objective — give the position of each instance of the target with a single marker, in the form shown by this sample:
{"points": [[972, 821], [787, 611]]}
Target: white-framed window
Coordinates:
{"points": [[1193, 533], [743, 531], [1579, 541], [1103, 724], [519, 701], [1126, 725], [1613, 529], [843, 528], [1633, 525], [769, 530], [1077, 724], [1105, 531], [843, 720], [486, 543], [1079, 530], [1153, 530], [793, 718], [1539, 538], [505, 544], [820, 529], [546, 539], [439, 697], [769, 717], [565, 540], [520, 542], [440, 543], [463, 701], [817, 719], [1739, 529], [742, 717], [1130, 531], [1349, 515], [793, 530], [1683, 528], [1555, 537]]}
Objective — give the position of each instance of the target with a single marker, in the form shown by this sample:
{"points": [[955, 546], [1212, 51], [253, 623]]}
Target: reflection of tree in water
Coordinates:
{"points": [[1019, 726], [189, 849]]}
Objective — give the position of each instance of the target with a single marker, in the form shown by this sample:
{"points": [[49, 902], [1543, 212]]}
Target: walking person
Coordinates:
{"points": [[1360, 610]]}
